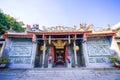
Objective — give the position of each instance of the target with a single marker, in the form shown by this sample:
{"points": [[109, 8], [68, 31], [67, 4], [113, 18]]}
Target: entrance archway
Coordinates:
{"points": [[59, 58], [59, 53]]}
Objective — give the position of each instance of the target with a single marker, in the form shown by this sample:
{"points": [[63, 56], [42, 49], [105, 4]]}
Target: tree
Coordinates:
{"points": [[7, 22]]}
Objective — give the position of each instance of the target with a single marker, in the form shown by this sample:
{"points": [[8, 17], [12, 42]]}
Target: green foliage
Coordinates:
{"points": [[4, 60], [114, 59], [6, 21], [118, 30]]}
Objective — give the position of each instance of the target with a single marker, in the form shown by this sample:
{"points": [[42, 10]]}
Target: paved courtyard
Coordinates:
{"points": [[60, 74]]}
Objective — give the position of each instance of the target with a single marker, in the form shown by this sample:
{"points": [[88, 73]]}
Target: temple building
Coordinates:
{"points": [[66, 47], [116, 40]]}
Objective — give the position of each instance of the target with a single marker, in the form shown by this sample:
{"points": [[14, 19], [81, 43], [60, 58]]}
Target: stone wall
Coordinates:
{"points": [[21, 53], [98, 52]]}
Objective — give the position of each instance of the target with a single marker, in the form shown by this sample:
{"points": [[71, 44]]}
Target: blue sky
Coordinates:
{"points": [[64, 12]]}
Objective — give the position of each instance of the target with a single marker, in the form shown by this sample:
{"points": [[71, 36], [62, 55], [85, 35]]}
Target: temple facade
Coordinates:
{"points": [[116, 40], [60, 46]]}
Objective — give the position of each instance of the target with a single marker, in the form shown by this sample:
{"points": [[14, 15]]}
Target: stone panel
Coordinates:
{"points": [[98, 50], [21, 53], [21, 60], [21, 50]]}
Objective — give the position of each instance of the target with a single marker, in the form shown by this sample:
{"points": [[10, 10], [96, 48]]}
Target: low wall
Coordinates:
{"points": [[21, 52], [98, 52]]}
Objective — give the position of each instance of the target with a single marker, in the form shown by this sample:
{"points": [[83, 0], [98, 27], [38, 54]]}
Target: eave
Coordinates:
{"points": [[60, 33]]}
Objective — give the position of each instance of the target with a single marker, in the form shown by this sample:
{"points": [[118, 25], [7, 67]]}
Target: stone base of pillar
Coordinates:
{"points": [[42, 66], [50, 65], [69, 65], [76, 65]]}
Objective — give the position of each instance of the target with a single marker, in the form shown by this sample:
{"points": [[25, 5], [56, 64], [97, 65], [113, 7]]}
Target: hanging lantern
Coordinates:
{"points": [[77, 48], [41, 48]]}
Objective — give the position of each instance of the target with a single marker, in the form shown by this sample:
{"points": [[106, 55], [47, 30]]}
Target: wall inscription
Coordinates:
{"points": [[21, 51], [98, 50]]}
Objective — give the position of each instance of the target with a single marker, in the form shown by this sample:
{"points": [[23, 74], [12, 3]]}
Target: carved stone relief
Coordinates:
{"points": [[21, 60], [100, 60], [83, 27], [91, 60], [98, 50], [21, 51]]}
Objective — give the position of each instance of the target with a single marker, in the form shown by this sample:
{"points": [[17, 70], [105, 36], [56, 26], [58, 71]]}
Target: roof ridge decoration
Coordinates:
{"points": [[83, 27]]}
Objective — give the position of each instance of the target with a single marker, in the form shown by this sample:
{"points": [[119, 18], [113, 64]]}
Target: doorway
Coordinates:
{"points": [[59, 53], [59, 58]]}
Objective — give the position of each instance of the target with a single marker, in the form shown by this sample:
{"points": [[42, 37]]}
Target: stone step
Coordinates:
{"points": [[60, 74], [69, 71], [81, 68]]}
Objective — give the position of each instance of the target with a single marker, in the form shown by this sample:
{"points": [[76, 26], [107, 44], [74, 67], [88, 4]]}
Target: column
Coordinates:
{"points": [[44, 48], [2, 48], [50, 61], [75, 54], [69, 39], [49, 41], [85, 54], [66, 52], [67, 58], [52, 51]]}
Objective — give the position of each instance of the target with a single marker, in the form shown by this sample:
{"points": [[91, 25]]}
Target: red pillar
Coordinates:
{"points": [[66, 53], [85, 37], [5, 36], [52, 53], [33, 38]]}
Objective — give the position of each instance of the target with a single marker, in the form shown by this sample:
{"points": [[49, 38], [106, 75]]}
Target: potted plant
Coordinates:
{"points": [[115, 61], [3, 62]]}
